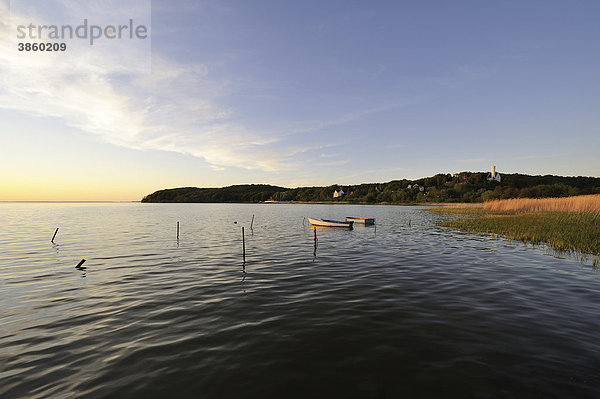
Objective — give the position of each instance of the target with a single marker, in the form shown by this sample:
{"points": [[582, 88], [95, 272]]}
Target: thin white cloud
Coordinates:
{"points": [[174, 108], [472, 160], [529, 157], [365, 175], [330, 164], [177, 107], [312, 126]]}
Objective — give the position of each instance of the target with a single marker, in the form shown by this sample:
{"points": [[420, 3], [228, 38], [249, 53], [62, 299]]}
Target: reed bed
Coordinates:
{"points": [[567, 225], [565, 232], [468, 211], [580, 203]]}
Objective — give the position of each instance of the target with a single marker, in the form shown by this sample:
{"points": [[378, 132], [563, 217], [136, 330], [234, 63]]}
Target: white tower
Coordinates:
{"points": [[494, 175]]}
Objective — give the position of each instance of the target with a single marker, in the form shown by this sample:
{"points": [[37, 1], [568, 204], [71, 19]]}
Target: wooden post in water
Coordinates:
{"points": [[243, 245], [177, 231], [52, 241], [81, 262], [252, 222]]}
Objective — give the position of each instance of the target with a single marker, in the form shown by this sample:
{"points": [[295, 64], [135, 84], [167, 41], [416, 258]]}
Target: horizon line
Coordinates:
{"points": [[69, 201]]}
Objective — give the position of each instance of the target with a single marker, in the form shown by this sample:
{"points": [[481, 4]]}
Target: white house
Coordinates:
{"points": [[494, 175], [338, 193], [420, 188]]}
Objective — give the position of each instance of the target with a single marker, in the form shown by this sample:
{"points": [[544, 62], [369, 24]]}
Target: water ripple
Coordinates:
{"points": [[391, 311]]}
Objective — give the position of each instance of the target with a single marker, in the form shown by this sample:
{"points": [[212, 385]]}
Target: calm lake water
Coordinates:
{"points": [[392, 311]]}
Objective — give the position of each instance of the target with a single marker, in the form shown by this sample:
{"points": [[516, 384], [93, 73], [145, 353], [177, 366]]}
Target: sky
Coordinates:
{"points": [[296, 93]]}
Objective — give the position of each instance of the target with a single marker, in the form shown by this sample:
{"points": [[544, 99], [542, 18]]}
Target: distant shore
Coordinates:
{"points": [[470, 187]]}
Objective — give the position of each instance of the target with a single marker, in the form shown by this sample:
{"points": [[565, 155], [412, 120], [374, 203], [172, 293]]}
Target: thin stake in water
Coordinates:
{"points": [[177, 231], [52, 241], [252, 222], [81, 262], [243, 246]]}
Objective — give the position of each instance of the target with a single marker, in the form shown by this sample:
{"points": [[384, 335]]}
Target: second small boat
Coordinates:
{"points": [[330, 223], [360, 220]]}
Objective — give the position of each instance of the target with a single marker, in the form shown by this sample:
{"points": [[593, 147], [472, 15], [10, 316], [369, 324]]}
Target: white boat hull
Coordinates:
{"points": [[329, 223]]}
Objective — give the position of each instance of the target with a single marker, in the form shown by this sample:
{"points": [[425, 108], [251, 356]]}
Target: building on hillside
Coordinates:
{"points": [[462, 179], [416, 186], [338, 193], [494, 175]]}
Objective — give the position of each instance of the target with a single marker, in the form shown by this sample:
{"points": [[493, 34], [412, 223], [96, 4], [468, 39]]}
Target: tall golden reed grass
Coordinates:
{"points": [[580, 203]]}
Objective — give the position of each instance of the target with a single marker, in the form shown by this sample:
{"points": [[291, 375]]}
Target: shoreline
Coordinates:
{"points": [[69, 202], [566, 232], [435, 204]]}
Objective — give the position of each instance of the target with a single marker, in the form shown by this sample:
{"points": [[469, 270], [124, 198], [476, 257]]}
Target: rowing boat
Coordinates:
{"points": [[360, 220], [330, 223]]}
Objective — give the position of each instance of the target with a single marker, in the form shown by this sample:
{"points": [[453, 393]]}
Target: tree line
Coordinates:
{"points": [[459, 187]]}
